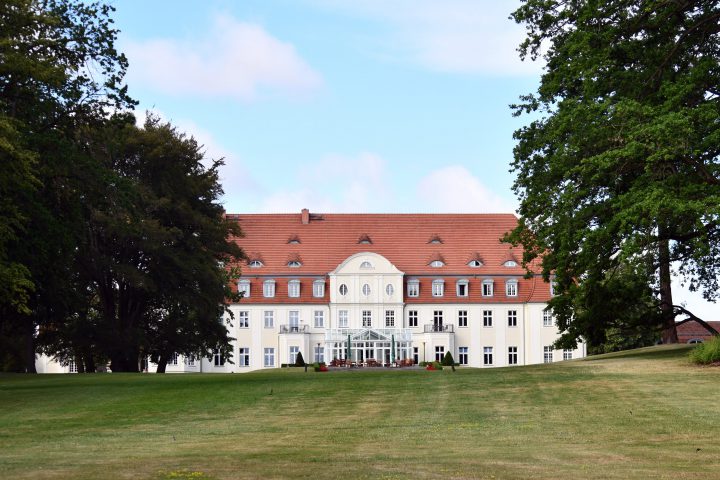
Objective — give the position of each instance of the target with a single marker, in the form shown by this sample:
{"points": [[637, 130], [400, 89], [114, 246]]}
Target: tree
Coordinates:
{"points": [[620, 162], [448, 360]]}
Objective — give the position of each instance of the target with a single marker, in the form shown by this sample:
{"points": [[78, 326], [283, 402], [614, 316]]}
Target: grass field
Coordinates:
{"points": [[643, 414]]}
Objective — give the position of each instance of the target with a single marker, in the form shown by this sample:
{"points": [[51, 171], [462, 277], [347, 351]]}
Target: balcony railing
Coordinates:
{"points": [[294, 329], [432, 328]]}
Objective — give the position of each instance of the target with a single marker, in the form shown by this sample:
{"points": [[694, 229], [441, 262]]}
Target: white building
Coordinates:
{"points": [[395, 288]]}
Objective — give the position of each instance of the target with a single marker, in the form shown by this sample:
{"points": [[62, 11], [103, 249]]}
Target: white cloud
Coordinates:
{"points": [[469, 36], [454, 189], [236, 59], [694, 302]]}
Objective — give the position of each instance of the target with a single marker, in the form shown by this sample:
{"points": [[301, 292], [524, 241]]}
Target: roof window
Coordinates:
{"points": [[365, 239]]}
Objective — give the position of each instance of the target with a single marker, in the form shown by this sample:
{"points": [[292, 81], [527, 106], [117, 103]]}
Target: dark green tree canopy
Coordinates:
{"points": [[620, 162]]}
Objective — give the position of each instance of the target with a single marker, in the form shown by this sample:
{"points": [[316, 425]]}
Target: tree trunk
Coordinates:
{"points": [[162, 364], [669, 333], [89, 362], [79, 363]]}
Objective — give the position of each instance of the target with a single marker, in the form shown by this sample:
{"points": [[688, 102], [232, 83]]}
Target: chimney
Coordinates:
{"points": [[305, 216]]}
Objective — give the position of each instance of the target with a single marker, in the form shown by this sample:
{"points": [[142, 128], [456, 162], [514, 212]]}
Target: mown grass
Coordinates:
{"points": [[644, 414]]}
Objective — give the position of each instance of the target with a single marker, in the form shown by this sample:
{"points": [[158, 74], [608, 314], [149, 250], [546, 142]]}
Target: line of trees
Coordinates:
{"points": [[113, 243]]}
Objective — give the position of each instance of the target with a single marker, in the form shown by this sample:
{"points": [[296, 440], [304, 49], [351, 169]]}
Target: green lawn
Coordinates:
{"points": [[644, 414]]}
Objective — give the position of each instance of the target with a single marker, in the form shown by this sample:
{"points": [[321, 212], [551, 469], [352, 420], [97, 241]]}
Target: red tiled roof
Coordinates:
{"points": [[329, 239], [691, 330]]}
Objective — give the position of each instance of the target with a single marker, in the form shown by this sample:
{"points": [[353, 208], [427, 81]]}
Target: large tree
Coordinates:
{"points": [[619, 164]]}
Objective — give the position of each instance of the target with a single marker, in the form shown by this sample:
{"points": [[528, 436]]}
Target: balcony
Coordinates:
{"points": [[294, 329], [432, 328]]}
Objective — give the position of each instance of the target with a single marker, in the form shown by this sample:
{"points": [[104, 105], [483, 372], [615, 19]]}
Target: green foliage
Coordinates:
{"points": [[448, 360], [299, 361], [707, 352], [619, 165]]}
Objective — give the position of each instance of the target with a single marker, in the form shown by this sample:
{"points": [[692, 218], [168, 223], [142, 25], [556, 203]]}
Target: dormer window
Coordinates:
{"points": [[438, 288], [487, 288], [365, 239], [294, 264], [255, 264], [435, 238], [437, 263], [244, 288], [269, 288], [366, 265], [294, 240], [475, 263], [413, 288], [294, 288], [510, 263], [511, 288], [462, 288]]}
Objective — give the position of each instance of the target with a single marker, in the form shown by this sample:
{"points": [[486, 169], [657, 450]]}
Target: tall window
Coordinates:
{"points": [[294, 320], [413, 288], [173, 360], [512, 356], [511, 288], [72, 367], [319, 288], [244, 288], [438, 288], [319, 354], [269, 317], [269, 288], [487, 288], [462, 288], [462, 318], [487, 355], [390, 318], [269, 357], [292, 358], [437, 320], [366, 290], [512, 318], [487, 318], [190, 360], [547, 318], [439, 353], [463, 355], [244, 357], [244, 319], [294, 288], [218, 358], [567, 354], [389, 290], [342, 319], [367, 318], [412, 318], [548, 354], [319, 317]]}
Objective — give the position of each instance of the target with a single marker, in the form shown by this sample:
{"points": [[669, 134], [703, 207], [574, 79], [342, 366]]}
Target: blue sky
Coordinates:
{"points": [[339, 105]]}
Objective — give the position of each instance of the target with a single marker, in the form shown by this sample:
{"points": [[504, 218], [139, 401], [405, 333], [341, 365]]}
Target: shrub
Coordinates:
{"points": [[708, 352], [448, 360], [299, 361]]}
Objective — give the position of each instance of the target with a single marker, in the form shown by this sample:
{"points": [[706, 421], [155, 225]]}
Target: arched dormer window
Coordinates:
{"points": [[364, 239], [255, 264], [294, 264], [510, 263], [366, 265], [475, 263], [437, 263], [294, 240], [435, 238]]}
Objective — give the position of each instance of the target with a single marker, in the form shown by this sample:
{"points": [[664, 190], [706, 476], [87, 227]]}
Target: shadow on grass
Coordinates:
{"points": [[658, 352]]}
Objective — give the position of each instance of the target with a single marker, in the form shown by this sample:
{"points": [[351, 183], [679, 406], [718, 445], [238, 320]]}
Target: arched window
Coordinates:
{"points": [[437, 263], [366, 264], [510, 263], [366, 290], [294, 264], [343, 290], [389, 290], [255, 264], [475, 263]]}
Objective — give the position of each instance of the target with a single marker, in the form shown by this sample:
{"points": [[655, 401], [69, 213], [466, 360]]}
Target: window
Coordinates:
{"points": [[413, 288], [462, 318], [294, 288], [437, 321], [511, 288], [512, 356], [487, 288], [294, 240], [547, 318], [342, 318], [269, 317], [567, 354], [548, 354], [218, 358], [190, 360], [244, 288], [553, 286], [512, 318], [255, 264], [294, 320], [487, 318], [390, 318], [475, 263], [437, 263], [366, 290], [72, 367], [294, 264], [439, 353], [173, 360], [319, 288], [319, 317], [269, 288], [487, 355], [319, 354], [438, 288], [366, 264], [510, 263], [244, 357], [367, 318], [463, 355], [343, 289], [389, 290], [292, 358], [462, 288], [412, 318], [269, 357], [244, 319]]}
